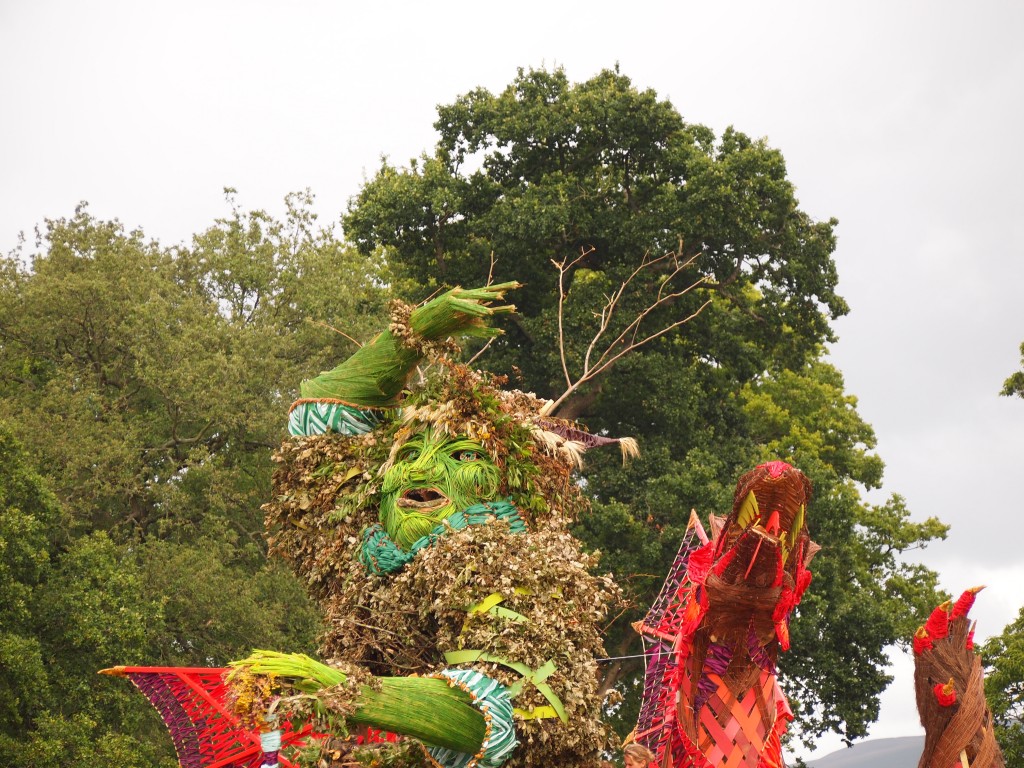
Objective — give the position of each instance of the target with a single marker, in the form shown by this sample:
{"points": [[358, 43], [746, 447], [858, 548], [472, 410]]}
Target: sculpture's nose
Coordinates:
{"points": [[425, 471]]}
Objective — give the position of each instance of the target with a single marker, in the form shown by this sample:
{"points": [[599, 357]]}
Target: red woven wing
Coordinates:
{"points": [[191, 701]]}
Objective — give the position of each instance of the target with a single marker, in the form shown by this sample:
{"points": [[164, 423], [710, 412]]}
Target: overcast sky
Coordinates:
{"points": [[901, 119]]}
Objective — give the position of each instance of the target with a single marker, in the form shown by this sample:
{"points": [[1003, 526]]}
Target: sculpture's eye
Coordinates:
{"points": [[466, 455], [409, 454]]}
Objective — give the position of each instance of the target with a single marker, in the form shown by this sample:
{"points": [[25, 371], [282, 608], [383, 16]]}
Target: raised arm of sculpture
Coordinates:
{"points": [[350, 399]]}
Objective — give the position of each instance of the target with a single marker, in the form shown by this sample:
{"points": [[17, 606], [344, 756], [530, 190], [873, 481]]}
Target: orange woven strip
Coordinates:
{"points": [[733, 732]]}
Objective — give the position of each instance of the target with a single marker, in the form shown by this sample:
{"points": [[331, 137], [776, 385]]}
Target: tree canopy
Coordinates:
{"points": [[1014, 384], [143, 389], [1004, 687], [1004, 654], [600, 178]]}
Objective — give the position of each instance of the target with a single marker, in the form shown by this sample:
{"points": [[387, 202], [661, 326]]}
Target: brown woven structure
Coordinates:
{"points": [[950, 692], [711, 699]]}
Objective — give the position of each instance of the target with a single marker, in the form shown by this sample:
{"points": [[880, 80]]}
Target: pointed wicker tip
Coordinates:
{"points": [[922, 641], [813, 548], [118, 671], [965, 602], [695, 524], [630, 448]]}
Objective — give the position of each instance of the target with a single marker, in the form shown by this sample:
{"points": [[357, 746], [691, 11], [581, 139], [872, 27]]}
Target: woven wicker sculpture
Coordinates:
{"points": [[430, 522], [711, 699], [950, 691]]}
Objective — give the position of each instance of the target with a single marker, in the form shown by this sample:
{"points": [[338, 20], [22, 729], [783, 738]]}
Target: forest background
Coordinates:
{"points": [[144, 383]]}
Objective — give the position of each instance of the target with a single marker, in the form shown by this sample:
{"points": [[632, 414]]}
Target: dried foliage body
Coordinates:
{"points": [[710, 694], [949, 683], [484, 596]]}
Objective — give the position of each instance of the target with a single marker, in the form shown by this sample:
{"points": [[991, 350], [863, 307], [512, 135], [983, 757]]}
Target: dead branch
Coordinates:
{"points": [[490, 270], [490, 281], [563, 268], [600, 356], [482, 349], [341, 333]]}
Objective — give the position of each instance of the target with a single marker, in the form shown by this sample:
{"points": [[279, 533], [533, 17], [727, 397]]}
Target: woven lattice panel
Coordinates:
{"points": [[205, 735]]}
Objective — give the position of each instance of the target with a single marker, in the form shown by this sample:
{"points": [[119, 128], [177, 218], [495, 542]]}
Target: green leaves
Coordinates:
{"points": [[216, 606], [1003, 657], [148, 386], [1014, 384], [29, 525], [165, 374], [70, 741], [68, 606]]}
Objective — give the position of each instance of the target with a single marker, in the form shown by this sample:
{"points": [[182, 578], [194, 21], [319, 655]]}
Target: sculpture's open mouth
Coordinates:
{"points": [[781, 527], [422, 500], [766, 533]]}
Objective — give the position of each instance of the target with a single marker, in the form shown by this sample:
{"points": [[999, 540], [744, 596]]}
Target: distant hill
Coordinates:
{"points": [[902, 752]]}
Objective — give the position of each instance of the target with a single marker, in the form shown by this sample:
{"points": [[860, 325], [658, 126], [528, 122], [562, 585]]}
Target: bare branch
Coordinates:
{"points": [[483, 349], [342, 333], [661, 299], [563, 268], [175, 441], [651, 337], [490, 281], [490, 272], [631, 337]]}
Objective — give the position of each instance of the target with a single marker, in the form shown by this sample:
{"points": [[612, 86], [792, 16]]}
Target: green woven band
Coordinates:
{"points": [[493, 701], [318, 417], [380, 554]]}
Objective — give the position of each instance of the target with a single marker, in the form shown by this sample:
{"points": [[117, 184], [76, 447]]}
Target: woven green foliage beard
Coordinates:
{"points": [[433, 477]]}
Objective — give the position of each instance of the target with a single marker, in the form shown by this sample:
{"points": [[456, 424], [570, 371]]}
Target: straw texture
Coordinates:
{"points": [[710, 693], [949, 683]]}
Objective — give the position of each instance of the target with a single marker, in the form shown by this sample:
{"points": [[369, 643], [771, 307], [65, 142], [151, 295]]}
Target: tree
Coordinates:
{"points": [[600, 177], [29, 519], [1004, 656], [1004, 687], [148, 387], [1014, 384], [161, 377], [66, 607]]}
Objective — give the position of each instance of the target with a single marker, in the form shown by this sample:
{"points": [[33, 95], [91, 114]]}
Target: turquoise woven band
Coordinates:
{"points": [[317, 418], [380, 554], [492, 699]]}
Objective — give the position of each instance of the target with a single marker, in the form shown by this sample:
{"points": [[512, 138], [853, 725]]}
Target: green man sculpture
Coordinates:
{"points": [[431, 524]]}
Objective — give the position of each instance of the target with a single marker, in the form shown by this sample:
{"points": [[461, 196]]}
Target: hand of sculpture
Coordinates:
{"points": [[461, 312], [376, 374]]}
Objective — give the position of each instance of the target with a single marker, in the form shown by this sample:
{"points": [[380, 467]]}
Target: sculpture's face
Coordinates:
{"points": [[433, 477]]}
